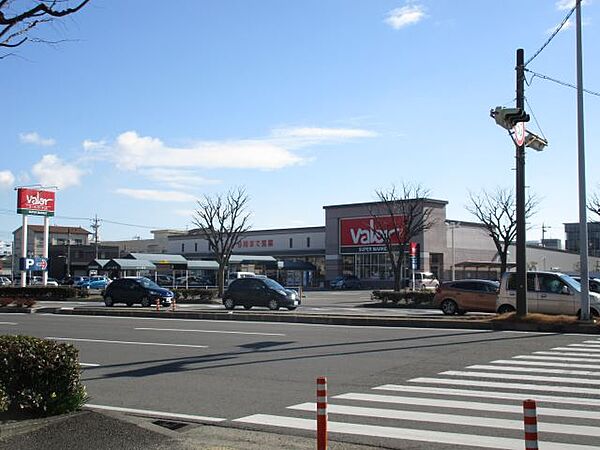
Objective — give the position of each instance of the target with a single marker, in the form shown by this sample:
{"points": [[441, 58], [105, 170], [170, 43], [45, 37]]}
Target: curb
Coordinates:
{"points": [[348, 320]]}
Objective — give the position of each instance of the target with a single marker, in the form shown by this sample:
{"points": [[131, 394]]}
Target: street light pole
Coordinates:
{"points": [[520, 194]]}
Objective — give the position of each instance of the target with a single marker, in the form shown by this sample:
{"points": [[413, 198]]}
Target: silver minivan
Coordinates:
{"points": [[547, 293]]}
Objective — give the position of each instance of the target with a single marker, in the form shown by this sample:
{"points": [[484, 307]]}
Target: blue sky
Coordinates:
{"points": [[305, 103]]}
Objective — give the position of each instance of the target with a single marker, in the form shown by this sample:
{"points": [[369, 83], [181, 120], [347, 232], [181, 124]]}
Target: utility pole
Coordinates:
{"points": [[95, 225], [583, 234], [520, 194], [544, 229]]}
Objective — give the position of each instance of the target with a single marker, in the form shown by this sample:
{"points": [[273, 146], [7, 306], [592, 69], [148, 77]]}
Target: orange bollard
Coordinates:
{"points": [[157, 304], [530, 422], [173, 304], [322, 413]]}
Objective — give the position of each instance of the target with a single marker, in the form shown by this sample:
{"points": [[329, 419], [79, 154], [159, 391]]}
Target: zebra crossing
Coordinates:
{"points": [[477, 407]]}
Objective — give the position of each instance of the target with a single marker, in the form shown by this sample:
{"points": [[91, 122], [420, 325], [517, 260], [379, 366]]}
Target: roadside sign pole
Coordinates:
{"points": [[45, 250], [24, 249], [520, 194]]}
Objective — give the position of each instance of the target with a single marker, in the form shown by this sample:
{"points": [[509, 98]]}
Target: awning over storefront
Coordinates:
{"points": [[202, 265], [129, 264], [98, 264], [174, 262], [251, 259], [289, 264]]}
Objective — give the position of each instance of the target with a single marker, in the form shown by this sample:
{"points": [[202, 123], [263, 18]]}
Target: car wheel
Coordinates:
{"points": [[291, 308], [503, 309], [449, 307], [593, 313], [247, 306], [108, 301], [228, 303], [273, 305], [129, 304], [145, 302]]}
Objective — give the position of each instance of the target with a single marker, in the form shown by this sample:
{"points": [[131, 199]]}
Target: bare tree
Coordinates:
{"points": [[400, 216], [222, 220], [498, 213], [18, 18], [593, 204]]}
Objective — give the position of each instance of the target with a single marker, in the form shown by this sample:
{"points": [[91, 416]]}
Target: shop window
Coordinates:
{"points": [[196, 247], [291, 243], [308, 242], [182, 248]]}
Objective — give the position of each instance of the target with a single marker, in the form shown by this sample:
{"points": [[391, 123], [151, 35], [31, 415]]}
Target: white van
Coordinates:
{"points": [[235, 275], [424, 281], [547, 293]]}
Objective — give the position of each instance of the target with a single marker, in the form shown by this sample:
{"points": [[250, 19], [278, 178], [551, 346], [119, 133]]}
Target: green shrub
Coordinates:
{"points": [[194, 295], [404, 297], [3, 399], [42, 292], [40, 377]]}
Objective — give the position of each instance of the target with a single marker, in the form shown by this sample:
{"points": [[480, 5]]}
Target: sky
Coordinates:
{"points": [[146, 106]]}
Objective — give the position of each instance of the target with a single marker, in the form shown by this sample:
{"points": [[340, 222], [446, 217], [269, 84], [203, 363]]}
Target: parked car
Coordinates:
{"points": [[423, 281], [5, 281], [38, 281], [94, 282], [254, 291], [461, 296], [136, 290], [164, 280], [547, 293], [346, 282], [70, 281], [193, 281], [594, 283]]}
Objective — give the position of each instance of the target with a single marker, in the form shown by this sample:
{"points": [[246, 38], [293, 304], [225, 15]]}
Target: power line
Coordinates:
{"points": [[562, 83], [535, 118], [562, 24]]}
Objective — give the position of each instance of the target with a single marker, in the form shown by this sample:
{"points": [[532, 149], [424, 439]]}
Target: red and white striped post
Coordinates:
{"points": [[530, 423], [157, 304], [173, 304], [322, 413]]}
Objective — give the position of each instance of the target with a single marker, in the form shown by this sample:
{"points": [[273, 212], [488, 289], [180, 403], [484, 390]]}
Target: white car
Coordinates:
{"points": [[5, 281], [547, 293], [38, 281], [424, 281]]}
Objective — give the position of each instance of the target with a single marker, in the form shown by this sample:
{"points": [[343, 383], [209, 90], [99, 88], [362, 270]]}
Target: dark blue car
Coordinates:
{"points": [[136, 290]]}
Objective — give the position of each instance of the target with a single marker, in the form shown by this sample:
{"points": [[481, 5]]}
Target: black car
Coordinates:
{"points": [[346, 282], [136, 290], [250, 292]]}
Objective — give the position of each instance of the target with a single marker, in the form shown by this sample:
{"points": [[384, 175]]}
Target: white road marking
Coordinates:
{"points": [[534, 369], [574, 349], [556, 358], [514, 376], [453, 419], [148, 412], [477, 406], [105, 341], [545, 363], [488, 394], [89, 365], [8, 323], [583, 355], [210, 331], [405, 433], [492, 384]]}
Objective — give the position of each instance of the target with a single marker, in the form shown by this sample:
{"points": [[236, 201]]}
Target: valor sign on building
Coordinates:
{"points": [[368, 234], [35, 202]]}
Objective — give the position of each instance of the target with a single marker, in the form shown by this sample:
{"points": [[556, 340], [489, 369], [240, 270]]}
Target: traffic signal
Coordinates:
{"points": [[508, 117]]}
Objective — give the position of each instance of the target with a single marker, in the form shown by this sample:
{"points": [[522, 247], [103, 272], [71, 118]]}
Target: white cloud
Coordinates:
{"points": [[89, 145], [567, 26], [563, 5], [178, 178], [7, 179], [158, 196], [34, 138], [52, 171], [322, 133], [404, 16], [189, 213]]}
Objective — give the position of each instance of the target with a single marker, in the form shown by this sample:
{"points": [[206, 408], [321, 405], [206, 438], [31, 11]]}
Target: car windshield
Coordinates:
{"points": [[273, 284], [571, 282], [148, 283]]}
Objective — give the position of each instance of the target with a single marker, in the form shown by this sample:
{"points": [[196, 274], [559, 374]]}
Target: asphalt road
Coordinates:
{"points": [[388, 387]]}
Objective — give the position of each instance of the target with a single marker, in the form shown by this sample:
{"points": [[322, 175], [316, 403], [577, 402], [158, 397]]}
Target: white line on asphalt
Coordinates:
{"points": [[521, 386], [572, 349], [148, 412], [89, 365], [104, 341], [545, 363], [534, 369], [454, 419], [518, 376], [477, 406], [589, 343], [557, 358], [211, 331], [488, 394], [8, 323], [587, 355], [474, 440]]}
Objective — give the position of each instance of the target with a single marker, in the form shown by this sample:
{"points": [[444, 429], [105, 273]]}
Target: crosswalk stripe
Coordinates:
{"points": [[572, 348], [545, 363], [595, 345], [453, 419], [575, 354], [488, 394], [493, 384], [555, 358], [512, 376], [409, 434], [534, 369], [476, 406]]}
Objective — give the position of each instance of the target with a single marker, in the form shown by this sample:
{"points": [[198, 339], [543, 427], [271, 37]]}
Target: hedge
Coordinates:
{"points": [[43, 292], [192, 295], [39, 377], [405, 296]]}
